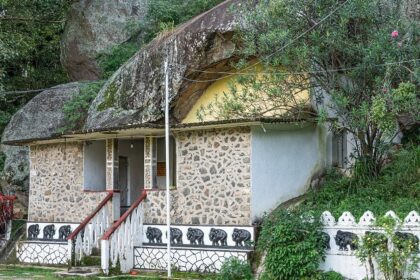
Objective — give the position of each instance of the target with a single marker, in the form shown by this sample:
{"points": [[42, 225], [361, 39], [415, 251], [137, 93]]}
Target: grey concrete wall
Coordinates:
{"points": [[94, 165], [135, 157], [283, 161]]}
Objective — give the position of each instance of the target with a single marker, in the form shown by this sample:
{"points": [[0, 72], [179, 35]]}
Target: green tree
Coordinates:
{"points": [[355, 58], [30, 33], [164, 15]]}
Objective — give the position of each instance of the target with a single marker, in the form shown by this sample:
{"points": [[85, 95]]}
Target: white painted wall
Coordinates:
{"points": [[135, 157], [283, 161], [94, 165]]}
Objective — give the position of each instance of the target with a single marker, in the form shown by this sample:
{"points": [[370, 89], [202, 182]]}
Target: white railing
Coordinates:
{"points": [[117, 245], [86, 237]]}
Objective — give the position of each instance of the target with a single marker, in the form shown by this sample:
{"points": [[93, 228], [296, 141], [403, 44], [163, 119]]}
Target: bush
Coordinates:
{"points": [[293, 244], [2, 160], [111, 60], [75, 110], [332, 275], [396, 188], [235, 269], [395, 262]]}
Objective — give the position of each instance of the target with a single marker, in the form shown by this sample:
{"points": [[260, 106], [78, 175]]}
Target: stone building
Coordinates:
{"points": [[88, 187]]}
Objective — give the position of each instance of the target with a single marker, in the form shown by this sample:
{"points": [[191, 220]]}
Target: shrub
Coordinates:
{"points": [[293, 244], [395, 262], [235, 269], [112, 59], [332, 275], [75, 110], [2, 160], [397, 188]]}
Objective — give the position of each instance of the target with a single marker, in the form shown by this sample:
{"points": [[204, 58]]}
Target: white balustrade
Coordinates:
{"points": [[117, 245], [87, 236]]}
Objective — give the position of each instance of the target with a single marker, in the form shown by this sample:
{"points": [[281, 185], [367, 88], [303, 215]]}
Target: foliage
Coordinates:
{"points": [[235, 269], [331, 275], [293, 244], [111, 60], [293, 247], [163, 15], [396, 188], [75, 111], [396, 262], [361, 57], [30, 33], [2, 160]]}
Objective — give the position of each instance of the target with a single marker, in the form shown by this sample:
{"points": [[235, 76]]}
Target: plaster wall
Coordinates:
{"points": [[56, 184], [284, 159], [216, 91]]}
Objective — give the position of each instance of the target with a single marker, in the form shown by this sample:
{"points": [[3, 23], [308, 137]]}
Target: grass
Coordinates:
{"points": [[33, 272], [20, 272], [397, 188]]}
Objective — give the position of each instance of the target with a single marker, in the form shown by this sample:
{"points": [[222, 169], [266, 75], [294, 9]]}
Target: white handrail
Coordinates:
{"points": [[117, 245], [86, 237]]}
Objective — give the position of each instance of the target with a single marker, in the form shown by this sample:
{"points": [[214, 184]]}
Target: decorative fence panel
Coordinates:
{"points": [[342, 237]]}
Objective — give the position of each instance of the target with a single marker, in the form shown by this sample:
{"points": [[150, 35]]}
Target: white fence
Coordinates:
{"points": [[342, 233]]}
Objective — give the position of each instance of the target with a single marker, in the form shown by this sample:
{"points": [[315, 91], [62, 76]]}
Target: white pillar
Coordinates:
{"points": [[150, 162], [105, 256]]}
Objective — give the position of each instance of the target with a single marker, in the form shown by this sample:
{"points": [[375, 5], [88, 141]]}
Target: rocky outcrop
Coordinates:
{"points": [[42, 117], [94, 26], [135, 93]]}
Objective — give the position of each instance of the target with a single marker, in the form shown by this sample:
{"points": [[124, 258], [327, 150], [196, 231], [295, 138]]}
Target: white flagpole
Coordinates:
{"points": [[167, 173]]}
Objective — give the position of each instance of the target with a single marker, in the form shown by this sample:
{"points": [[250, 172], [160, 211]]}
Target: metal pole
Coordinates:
{"points": [[168, 208]]}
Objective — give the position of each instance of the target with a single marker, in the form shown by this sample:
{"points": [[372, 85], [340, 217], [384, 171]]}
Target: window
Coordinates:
{"points": [[339, 149], [159, 167], [94, 166]]}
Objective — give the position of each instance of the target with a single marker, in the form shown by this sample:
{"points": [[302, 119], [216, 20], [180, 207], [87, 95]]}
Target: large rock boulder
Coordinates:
{"points": [[135, 93], [94, 26], [41, 118]]}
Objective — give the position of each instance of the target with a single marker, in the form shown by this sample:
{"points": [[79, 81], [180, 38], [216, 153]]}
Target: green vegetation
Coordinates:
{"points": [[27, 272], [163, 15], [293, 245], [30, 32], [235, 269], [396, 263], [397, 188], [2, 160], [76, 109], [362, 56], [109, 97], [111, 60], [292, 241], [30, 272]]}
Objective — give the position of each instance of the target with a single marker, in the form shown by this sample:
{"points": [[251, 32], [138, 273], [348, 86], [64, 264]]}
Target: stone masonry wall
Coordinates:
{"points": [[56, 184], [213, 180]]}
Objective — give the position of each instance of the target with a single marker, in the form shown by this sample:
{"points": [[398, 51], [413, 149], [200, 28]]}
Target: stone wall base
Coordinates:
{"points": [[37, 252], [185, 259]]}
